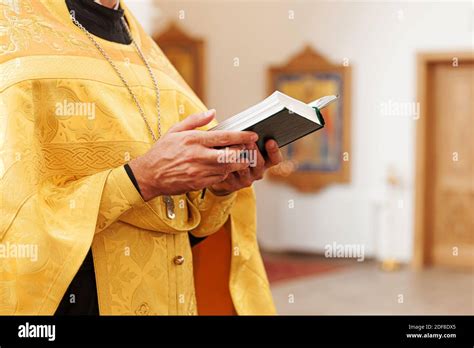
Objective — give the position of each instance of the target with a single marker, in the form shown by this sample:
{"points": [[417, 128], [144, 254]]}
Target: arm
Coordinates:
{"points": [[118, 197], [213, 204], [181, 161]]}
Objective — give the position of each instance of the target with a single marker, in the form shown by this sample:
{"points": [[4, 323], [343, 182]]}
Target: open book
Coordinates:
{"points": [[279, 117]]}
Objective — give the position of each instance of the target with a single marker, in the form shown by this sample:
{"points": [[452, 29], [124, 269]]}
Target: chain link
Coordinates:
{"points": [[122, 78]]}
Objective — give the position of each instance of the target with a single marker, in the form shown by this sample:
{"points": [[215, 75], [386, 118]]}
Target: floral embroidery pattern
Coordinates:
{"points": [[20, 28]]}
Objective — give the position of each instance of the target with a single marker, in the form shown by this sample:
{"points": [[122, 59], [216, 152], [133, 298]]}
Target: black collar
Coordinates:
{"points": [[99, 20]]}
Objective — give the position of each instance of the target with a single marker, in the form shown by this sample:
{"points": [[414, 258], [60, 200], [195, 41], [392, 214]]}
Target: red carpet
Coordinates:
{"points": [[289, 269]]}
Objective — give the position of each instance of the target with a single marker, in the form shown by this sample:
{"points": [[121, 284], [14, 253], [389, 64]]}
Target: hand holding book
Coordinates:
{"points": [[278, 120], [279, 117]]}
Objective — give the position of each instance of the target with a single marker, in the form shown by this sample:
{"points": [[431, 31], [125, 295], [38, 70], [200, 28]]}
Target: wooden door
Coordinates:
{"points": [[448, 158]]}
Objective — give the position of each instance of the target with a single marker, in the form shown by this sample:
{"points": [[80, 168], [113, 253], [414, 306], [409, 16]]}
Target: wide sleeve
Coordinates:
{"points": [[214, 211], [118, 197], [52, 219]]}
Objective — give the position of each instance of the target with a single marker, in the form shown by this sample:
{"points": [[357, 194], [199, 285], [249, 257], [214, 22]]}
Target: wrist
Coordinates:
{"points": [[138, 167]]}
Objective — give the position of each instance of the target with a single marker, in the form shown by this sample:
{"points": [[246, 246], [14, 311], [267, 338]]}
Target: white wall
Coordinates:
{"points": [[381, 41]]}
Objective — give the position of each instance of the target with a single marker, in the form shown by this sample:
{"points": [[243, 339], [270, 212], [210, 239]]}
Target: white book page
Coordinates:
{"points": [[271, 105]]}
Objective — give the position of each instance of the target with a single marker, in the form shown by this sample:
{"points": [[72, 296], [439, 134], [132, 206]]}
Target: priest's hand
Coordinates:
{"points": [[185, 159], [245, 177]]}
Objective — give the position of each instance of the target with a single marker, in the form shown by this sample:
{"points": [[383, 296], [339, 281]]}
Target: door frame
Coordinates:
{"points": [[422, 240]]}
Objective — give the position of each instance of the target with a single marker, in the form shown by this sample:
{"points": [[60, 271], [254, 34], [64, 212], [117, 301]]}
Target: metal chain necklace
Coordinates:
{"points": [[166, 199], [122, 78]]}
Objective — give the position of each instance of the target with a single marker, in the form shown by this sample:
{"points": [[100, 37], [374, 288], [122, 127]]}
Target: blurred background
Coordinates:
{"points": [[374, 215]]}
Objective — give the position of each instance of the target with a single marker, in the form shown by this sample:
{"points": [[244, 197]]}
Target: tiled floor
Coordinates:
{"points": [[365, 289]]}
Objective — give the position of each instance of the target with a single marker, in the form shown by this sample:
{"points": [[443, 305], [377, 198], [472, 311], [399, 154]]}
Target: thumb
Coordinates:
{"points": [[193, 121]]}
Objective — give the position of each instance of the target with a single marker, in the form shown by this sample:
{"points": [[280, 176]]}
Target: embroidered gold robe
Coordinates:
{"points": [[67, 126]]}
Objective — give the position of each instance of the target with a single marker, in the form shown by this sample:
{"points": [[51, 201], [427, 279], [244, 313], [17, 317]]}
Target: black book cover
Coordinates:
{"points": [[285, 127]]}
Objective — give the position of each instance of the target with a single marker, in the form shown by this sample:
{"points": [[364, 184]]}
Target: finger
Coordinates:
{"points": [[236, 167], [239, 147], [232, 180], [221, 156], [223, 138], [227, 168], [205, 182], [258, 170], [222, 169], [255, 156], [231, 154], [193, 121], [274, 153], [245, 178], [211, 180]]}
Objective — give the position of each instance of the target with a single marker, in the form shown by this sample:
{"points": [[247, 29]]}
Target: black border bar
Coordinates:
{"points": [[349, 330]]}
